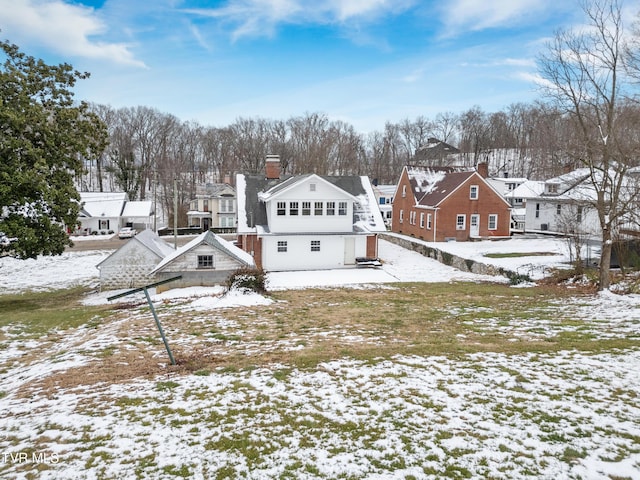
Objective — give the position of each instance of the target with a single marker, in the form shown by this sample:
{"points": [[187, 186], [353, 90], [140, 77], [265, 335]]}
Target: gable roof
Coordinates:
{"points": [[529, 189], [148, 239], [435, 150], [141, 208], [254, 190], [102, 204], [431, 185], [213, 240]]}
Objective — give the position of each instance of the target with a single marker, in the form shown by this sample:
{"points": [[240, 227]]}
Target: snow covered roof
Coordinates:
{"points": [[529, 189], [431, 185], [150, 240], [154, 242], [138, 209], [103, 204], [212, 240]]}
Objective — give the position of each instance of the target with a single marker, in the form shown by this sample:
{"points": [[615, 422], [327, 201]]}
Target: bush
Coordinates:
{"points": [[248, 279]]}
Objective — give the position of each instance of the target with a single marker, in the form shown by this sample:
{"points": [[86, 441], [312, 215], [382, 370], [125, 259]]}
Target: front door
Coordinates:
{"points": [[474, 228]]}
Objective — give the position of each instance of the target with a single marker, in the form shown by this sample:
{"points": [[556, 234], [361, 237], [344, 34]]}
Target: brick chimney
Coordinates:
{"points": [[272, 167], [483, 169]]}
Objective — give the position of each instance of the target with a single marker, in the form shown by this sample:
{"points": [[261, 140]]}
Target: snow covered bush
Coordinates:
{"points": [[248, 279]]}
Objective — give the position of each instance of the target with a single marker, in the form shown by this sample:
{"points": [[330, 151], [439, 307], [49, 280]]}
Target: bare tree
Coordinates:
{"points": [[584, 78]]}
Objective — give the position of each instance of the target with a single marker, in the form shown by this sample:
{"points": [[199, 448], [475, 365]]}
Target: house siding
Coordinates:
{"points": [[187, 266], [299, 255]]}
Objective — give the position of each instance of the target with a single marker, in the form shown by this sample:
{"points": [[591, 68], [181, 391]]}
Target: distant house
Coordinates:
{"points": [[100, 212], [562, 204], [105, 212], [307, 222], [206, 260], [448, 203], [138, 214], [505, 186], [436, 153], [214, 208], [129, 266], [519, 197], [384, 197]]}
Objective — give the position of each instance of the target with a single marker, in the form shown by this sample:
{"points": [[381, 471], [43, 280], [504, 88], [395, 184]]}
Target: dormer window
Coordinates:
{"points": [[552, 188]]}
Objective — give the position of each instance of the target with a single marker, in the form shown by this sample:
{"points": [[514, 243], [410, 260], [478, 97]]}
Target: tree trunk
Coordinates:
{"points": [[605, 261]]}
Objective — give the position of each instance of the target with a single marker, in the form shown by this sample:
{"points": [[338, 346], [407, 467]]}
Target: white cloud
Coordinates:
{"points": [[261, 17], [62, 27], [481, 14]]}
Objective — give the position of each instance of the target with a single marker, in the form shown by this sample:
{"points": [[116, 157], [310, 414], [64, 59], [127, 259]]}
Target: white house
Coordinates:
{"points": [[307, 222], [104, 212], [138, 214], [518, 198], [206, 260], [130, 265], [561, 205], [384, 198], [101, 212]]}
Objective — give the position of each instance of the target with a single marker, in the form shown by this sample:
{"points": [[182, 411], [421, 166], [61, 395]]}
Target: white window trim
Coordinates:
{"points": [[464, 222], [495, 224], [473, 188]]}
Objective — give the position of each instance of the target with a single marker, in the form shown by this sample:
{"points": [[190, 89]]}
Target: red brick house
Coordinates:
{"points": [[438, 204]]}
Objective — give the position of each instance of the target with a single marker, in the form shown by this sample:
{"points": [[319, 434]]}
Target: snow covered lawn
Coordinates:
{"points": [[100, 401]]}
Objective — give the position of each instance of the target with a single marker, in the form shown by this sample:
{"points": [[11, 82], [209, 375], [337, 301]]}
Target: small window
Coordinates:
{"points": [[404, 191], [401, 216], [342, 208], [429, 218], [306, 209], [579, 215], [317, 208], [315, 245], [293, 208], [412, 218], [461, 221], [537, 210], [282, 246], [282, 208], [558, 209], [421, 219], [493, 222], [473, 192], [205, 261], [312, 187], [331, 208]]}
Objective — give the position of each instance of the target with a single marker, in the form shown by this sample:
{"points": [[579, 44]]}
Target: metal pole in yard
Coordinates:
{"points": [[159, 325]]}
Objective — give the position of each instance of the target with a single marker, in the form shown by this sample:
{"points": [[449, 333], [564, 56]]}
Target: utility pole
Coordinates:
{"points": [[175, 213]]}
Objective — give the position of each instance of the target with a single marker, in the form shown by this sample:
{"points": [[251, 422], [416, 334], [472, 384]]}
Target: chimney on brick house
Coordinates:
{"points": [[272, 167], [483, 169]]}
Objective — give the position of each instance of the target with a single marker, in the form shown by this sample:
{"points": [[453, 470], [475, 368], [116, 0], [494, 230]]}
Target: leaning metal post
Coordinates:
{"points": [[145, 289], [159, 325]]}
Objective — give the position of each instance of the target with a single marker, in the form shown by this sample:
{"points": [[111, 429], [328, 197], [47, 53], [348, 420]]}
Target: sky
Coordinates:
{"points": [[364, 62]]}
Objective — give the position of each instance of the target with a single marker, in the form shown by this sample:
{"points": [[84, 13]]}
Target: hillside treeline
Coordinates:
{"points": [[151, 152]]}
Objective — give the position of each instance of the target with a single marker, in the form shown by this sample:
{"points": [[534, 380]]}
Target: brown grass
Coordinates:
{"points": [[303, 328]]}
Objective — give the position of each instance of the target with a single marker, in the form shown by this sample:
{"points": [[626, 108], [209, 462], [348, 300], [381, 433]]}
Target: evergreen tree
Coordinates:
{"points": [[44, 138]]}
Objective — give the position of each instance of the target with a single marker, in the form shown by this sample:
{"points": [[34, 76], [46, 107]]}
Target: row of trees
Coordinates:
{"points": [[150, 149], [588, 116]]}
